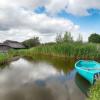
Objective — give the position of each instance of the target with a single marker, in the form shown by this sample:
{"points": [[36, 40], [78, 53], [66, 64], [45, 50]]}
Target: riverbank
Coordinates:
{"points": [[94, 93], [72, 50], [5, 58], [65, 50]]}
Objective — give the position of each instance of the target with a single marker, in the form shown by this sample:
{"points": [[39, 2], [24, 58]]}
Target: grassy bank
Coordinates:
{"points": [[3, 59], [72, 50], [7, 57], [94, 93], [66, 50]]}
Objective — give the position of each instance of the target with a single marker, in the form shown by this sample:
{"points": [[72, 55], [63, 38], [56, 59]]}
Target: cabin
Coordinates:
{"points": [[14, 44], [4, 48], [8, 44]]}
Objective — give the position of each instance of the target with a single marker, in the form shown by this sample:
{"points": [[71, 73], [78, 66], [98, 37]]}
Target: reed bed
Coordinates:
{"points": [[3, 58], [73, 50], [77, 50], [7, 57]]}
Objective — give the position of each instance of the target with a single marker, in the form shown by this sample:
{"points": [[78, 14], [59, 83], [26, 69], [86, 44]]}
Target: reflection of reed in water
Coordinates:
{"points": [[82, 83]]}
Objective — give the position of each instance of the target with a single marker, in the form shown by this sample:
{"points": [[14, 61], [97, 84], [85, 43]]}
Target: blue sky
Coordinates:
{"points": [[90, 23], [23, 19]]}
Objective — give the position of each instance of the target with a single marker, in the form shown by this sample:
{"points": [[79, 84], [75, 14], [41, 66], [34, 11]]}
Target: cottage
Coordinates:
{"points": [[8, 44], [14, 44], [4, 48]]}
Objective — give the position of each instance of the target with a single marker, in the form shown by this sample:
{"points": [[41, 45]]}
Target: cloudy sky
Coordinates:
{"points": [[23, 19]]}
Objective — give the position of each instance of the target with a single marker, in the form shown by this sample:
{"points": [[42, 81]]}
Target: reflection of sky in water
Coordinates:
{"points": [[24, 80], [23, 71]]}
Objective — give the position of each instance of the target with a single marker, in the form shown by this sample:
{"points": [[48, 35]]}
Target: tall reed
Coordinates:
{"points": [[86, 50]]}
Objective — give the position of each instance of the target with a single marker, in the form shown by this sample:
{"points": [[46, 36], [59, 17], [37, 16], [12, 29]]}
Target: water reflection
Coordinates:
{"points": [[37, 80], [82, 83], [22, 71]]}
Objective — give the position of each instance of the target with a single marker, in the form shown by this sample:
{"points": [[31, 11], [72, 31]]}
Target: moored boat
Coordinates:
{"points": [[90, 70]]}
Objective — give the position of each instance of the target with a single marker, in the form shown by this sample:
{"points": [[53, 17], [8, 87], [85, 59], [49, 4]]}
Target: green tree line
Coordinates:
{"points": [[35, 41]]}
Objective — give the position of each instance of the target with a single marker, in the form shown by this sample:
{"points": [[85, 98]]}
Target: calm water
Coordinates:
{"points": [[42, 79]]}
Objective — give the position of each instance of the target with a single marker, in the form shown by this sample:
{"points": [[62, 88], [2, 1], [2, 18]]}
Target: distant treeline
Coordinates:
{"points": [[93, 38], [31, 42], [67, 38]]}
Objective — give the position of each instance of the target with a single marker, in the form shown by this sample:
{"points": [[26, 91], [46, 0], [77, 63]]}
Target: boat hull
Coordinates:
{"points": [[82, 69], [87, 75]]}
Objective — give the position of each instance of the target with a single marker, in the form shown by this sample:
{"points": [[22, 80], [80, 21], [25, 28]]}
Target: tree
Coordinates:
{"points": [[59, 38], [80, 38], [68, 37], [31, 42], [94, 38]]}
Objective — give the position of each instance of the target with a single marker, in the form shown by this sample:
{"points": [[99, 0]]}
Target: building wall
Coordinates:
{"points": [[4, 48]]}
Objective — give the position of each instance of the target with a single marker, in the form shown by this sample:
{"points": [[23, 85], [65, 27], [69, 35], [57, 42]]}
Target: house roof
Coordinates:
{"points": [[13, 44]]}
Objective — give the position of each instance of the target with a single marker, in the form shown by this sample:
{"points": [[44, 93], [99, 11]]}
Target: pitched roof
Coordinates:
{"points": [[13, 44]]}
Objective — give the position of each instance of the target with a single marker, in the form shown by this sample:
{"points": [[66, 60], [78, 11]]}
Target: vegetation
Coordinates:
{"points": [[94, 38], [7, 57], [3, 58], [79, 39], [77, 50], [59, 38], [64, 47], [67, 37], [31, 42], [94, 93]]}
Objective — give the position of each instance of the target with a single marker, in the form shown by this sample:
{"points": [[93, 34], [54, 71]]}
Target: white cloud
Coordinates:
{"points": [[19, 22], [81, 7], [75, 7], [56, 5], [21, 35], [26, 19]]}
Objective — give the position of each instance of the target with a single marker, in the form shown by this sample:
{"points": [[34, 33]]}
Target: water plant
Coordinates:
{"points": [[3, 58], [86, 50]]}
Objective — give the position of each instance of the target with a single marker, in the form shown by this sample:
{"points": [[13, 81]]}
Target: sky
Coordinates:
{"points": [[24, 19]]}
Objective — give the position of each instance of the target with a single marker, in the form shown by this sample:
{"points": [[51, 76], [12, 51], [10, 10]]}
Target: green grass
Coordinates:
{"points": [[77, 50], [6, 57], [72, 50], [3, 58], [94, 93]]}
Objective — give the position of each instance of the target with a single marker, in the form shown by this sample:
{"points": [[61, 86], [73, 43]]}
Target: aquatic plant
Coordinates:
{"points": [[6, 57], [3, 58], [78, 50], [72, 50]]}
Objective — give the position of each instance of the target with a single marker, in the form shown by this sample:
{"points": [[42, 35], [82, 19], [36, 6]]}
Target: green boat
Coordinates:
{"points": [[88, 69]]}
